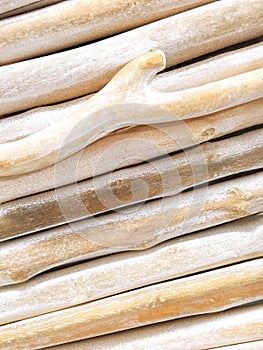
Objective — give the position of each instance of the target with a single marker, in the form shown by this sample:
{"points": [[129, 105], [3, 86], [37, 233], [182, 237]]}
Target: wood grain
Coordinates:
{"points": [[165, 177], [129, 146], [242, 324], [208, 292], [80, 71], [138, 227], [71, 23], [254, 345], [226, 244]]}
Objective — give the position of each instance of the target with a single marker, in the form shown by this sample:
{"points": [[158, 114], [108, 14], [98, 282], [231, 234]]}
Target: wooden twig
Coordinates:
{"points": [[240, 324], [208, 292], [83, 70], [139, 228], [14, 7], [129, 92], [165, 177], [209, 70], [75, 22], [254, 345], [156, 140], [226, 244]]}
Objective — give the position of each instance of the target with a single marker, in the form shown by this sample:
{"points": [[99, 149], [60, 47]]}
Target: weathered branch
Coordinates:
{"points": [[75, 22], [241, 324], [139, 228], [87, 69], [204, 293], [165, 177]]}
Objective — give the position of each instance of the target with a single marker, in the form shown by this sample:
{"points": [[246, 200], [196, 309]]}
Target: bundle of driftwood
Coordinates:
{"points": [[131, 174]]}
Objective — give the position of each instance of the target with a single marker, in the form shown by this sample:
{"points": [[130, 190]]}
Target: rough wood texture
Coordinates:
{"points": [[140, 227], [79, 21], [83, 70], [129, 92], [241, 324], [130, 146], [254, 345], [12, 7], [226, 244], [212, 69], [164, 177], [208, 292]]}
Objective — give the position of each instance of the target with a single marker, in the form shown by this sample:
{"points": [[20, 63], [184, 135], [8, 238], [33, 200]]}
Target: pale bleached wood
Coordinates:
{"points": [[226, 244], [164, 177], [75, 22], [87, 69], [240, 324], [10, 6], [128, 147], [254, 345], [219, 67], [139, 227], [129, 92], [204, 293]]}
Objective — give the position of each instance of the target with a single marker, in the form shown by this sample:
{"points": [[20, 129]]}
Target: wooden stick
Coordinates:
{"points": [[130, 91], [254, 345], [75, 22], [81, 71], [165, 177], [156, 140], [226, 244], [209, 70], [138, 228], [208, 292], [240, 324], [13, 7]]}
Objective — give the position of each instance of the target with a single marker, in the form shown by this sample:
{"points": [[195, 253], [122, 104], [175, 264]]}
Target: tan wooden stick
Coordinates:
{"points": [[208, 292], [240, 324], [12, 7], [209, 70], [226, 244], [165, 177], [75, 22], [254, 345], [139, 228], [130, 146], [130, 91], [83, 70]]}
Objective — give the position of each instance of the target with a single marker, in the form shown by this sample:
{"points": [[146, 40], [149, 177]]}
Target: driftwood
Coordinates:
{"points": [[240, 324], [137, 228], [254, 345], [79, 21], [130, 91], [208, 292], [128, 147], [83, 70], [226, 244], [165, 177], [209, 70], [16, 7]]}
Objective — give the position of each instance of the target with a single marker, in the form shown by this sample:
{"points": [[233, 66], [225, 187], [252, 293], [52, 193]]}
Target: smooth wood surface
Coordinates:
{"points": [[87, 69], [130, 91], [74, 22], [12, 7], [130, 146], [208, 70], [138, 227], [254, 345], [219, 246], [165, 177], [240, 324], [208, 292]]}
